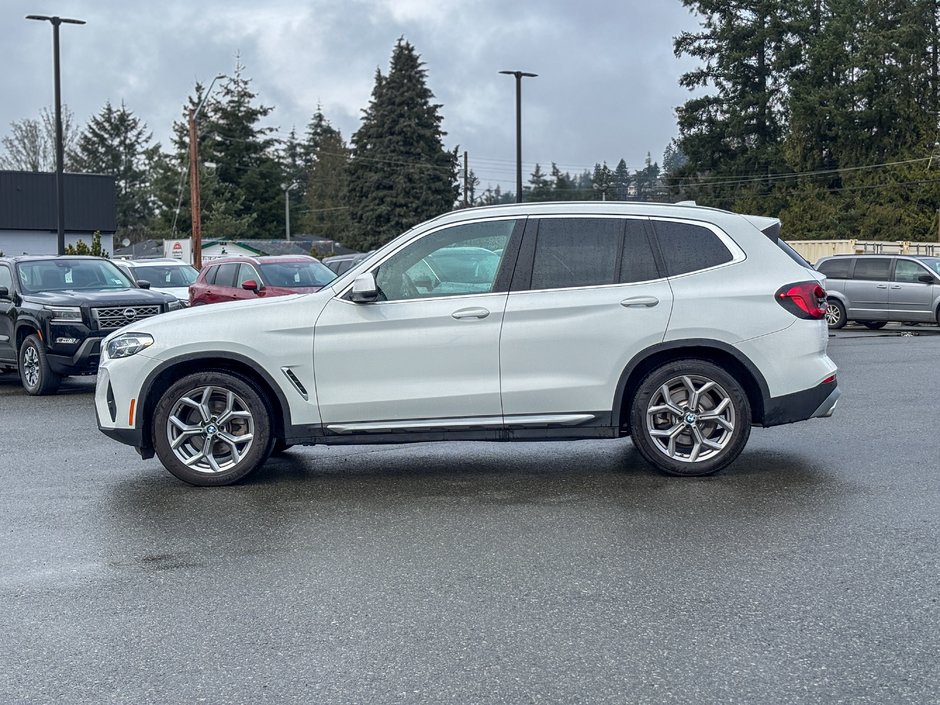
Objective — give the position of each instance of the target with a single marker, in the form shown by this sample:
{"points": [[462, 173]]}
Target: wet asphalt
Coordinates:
{"points": [[807, 572]]}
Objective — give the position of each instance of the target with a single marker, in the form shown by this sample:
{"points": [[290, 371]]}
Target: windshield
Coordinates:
{"points": [[70, 274], [297, 275], [932, 263], [166, 275]]}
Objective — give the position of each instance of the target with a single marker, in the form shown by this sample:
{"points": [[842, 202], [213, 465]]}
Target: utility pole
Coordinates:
{"points": [[466, 181], [195, 206]]}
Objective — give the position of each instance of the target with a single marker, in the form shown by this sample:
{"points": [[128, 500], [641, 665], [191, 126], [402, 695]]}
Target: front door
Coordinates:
{"points": [[910, 298], [7, 319], [428, 349]]}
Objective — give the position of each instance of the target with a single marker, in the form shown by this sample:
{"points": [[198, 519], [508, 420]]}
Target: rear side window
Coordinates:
{"points": [[225, 274], [687, 247], [573, 252], [836, 268], [872, 268], [210, 275]]}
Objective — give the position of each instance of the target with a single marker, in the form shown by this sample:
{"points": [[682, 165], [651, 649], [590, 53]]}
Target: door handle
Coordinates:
{"points": [[882, 286], [895, 286], [640, 302], [470, 313]]}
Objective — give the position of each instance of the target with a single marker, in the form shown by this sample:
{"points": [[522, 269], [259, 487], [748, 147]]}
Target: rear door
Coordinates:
{"points": [[587, 296]]}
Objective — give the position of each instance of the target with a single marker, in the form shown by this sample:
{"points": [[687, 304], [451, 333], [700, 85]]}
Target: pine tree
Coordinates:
{"points": [[326, 205], [400, 173], [622, 182], [117, 143]]}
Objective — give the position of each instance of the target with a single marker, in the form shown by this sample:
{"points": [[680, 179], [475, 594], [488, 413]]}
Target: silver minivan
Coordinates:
{"points": [[876, 289]]}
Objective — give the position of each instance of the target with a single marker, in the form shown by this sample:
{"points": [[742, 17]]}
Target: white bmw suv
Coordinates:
{"points": [[677, 325]]}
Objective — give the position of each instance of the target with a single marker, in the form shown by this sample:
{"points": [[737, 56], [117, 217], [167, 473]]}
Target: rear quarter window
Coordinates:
{"points": [[835, 268], [687, 247]]}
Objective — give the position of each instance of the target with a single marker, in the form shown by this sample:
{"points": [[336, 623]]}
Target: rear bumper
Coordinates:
{"points": [[816, 402]]}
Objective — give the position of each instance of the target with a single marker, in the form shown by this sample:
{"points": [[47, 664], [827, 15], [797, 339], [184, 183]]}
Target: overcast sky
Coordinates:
{"points": [[607, 85]]}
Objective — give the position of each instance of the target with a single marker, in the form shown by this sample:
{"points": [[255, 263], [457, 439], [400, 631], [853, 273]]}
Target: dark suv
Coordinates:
{"points": [[54, 311]]}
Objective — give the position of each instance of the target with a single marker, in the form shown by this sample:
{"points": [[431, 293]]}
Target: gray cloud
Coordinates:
{"points": [[607, 85]]}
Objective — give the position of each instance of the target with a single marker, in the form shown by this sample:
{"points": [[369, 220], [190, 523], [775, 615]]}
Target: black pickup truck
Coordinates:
{"points": [[54, 312]]}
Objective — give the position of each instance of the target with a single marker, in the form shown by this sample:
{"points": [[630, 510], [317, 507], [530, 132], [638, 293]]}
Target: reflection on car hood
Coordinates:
{"points": [[106, 297]]}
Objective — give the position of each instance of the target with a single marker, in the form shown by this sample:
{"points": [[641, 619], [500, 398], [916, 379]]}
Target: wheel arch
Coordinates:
{"points": [[721, 354], [163, 377]]}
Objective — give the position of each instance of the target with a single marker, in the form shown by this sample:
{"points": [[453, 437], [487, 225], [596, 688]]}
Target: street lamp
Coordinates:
{"points": [[59, 190], [195, 206], [287, 189], [519, 75]]}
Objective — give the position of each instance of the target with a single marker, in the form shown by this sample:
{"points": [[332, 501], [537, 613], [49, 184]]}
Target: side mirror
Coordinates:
{"points": [[143, 283], [251, 285], [927, 279], [364, 289], [4, 293]]}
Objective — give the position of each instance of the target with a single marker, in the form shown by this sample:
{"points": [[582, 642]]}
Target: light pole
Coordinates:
{"points": [[59, 189], [287, 189], [519, 75], [195, 205]]}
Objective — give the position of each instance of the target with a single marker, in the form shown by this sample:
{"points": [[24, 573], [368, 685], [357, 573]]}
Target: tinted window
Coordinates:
{"points": [[577, 252], [225, 275], [687, 247], [6, 278], [872, 268], [211, 274], [836, 268], [638, 264]]}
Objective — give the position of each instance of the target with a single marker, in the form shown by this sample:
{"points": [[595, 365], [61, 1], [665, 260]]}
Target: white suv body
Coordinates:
{"points": [[679, 325]]}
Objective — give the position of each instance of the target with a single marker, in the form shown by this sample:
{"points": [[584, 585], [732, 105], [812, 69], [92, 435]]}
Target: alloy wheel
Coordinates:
{"points": [[210, 429]]}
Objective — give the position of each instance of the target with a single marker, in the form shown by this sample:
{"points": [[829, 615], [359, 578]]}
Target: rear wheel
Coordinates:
{"points": [[835, 314], [36, 375], [212, 428], [690, 417]]}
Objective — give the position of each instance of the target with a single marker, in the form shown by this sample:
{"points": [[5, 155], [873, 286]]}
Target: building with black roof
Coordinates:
{"points": [[28, 211]]}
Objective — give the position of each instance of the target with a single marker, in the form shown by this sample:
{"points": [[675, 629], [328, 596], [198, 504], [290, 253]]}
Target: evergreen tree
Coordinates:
{"points": [[540, 188], [622, 182], [117, 143], [244, 154], [400, 173], [326, 205]]}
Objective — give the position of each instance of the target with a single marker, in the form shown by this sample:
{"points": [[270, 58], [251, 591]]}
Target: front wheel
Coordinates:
{"points": [[212, 428], [36, 375], [874, 325], [835, 314], [690, 417]]}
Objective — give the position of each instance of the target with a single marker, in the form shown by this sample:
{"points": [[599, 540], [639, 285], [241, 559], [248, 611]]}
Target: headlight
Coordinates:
{"points": [[174, 305], [127, 344], [65, 313]]}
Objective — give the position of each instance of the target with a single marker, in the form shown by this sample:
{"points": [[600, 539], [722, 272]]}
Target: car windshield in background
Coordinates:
{"points": [[160, 275], [296, 274], [59, 275], [932, 263]]}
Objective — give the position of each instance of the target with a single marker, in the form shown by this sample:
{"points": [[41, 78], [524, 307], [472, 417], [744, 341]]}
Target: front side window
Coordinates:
{"points": [[6, 279], [907, 271], [454, 261], [872, 268], [246, 272], [687, 247]]}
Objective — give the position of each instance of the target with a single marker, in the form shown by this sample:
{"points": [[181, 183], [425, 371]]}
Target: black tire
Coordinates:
{"points": [[215, 405], [874, 325], [680, 440], [835, 315], [36, 375]]}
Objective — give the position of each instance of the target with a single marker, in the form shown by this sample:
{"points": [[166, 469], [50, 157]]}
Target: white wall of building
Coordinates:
{"points": [[31, 242]]}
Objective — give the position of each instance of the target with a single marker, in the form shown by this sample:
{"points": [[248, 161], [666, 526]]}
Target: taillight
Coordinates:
{"points": [[803, 300]]}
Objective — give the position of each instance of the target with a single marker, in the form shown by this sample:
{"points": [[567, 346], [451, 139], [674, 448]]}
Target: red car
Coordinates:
{"points": [[237, 278]]}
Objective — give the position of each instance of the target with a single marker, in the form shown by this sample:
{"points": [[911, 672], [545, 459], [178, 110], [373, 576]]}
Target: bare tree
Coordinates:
{"points": [[30, 146]]}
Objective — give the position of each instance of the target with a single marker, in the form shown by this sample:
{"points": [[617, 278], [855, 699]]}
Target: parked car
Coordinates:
{"points": [[54, 312], [677, 325], [239, 278], [343, 263], [876, 289], [171, 276]]}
